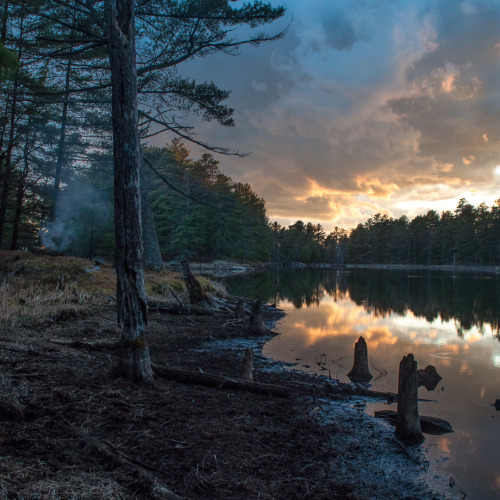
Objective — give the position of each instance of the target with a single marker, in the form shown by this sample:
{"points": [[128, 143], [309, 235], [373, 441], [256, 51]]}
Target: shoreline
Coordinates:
{"points": [[71, 429], [378, 455], [225, 269]]}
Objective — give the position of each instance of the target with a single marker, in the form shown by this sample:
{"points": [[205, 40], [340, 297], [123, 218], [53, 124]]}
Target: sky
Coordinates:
{"points": [[365, 107]]}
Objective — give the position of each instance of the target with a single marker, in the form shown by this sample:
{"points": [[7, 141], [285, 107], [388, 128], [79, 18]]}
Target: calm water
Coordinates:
{"points": [[447, 320]]}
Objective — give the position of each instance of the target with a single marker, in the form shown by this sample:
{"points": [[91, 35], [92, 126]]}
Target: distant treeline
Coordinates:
{"points": [[201, 214], [467, 236]]}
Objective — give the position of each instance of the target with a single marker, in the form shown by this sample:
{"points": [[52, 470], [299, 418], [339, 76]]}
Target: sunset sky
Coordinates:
{"points": [[365, 106]]}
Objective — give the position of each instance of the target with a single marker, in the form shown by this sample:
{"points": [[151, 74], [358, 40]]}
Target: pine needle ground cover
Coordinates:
{"points": [[70, 430]]}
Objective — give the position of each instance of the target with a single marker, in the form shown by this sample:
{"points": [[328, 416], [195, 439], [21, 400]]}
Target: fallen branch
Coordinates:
{"points": [[430, 425], [389, 396], [79, 344], [143, 479], [359, 390], [210, 380]]}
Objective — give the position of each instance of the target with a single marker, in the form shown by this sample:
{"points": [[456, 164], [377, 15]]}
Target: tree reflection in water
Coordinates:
{"points": [[468, 299], [448, 320]]}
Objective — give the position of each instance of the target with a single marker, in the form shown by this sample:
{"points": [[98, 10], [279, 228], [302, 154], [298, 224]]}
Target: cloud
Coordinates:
{"points": [[365, 107]]}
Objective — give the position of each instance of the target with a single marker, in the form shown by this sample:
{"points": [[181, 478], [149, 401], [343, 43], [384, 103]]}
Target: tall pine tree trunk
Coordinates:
{"points": [[151, 248], [7, 160], [61, 146], [21, 190], [134, 362], [16, 226]]}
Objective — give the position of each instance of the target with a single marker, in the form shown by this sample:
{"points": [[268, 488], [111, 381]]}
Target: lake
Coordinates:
{"points": [[445, 319]]}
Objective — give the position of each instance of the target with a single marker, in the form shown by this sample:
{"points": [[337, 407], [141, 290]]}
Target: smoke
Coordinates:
{"points": [[54, 236], [84, 220]]}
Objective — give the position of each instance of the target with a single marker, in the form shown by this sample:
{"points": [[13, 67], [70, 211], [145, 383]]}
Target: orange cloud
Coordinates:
{"points": [[374, 187]]}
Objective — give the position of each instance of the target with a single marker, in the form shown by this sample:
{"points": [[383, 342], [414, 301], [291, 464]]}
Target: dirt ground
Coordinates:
{"points": [[70, 430]]}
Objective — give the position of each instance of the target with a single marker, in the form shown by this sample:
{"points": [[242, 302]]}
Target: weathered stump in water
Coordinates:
{"points": [[428, 377], [194, 289], [408, 427], [360, 371], [256, 322], [247, 367]]}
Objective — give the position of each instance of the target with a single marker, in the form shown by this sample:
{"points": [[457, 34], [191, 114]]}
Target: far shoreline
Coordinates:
{"points": [[225, 268]]}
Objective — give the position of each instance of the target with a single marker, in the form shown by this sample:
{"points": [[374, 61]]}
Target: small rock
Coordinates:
{"points": [[428, 377], [452, 481]]}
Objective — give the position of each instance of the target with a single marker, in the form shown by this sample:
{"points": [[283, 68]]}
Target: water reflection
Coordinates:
{"points": [[449, 321], [467, 299]]}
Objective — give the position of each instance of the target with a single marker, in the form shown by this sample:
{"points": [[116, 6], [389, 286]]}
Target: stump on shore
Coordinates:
{"points": [[194, 289], [360, 371], [247, 367], [408, 428], [256, 322], [239, 312]]}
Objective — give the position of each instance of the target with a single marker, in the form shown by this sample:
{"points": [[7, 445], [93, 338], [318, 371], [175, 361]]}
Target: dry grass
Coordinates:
{"points": [[39, 289], [67, 484]]}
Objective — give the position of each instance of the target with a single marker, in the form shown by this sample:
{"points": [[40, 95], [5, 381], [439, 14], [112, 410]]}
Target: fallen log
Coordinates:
{"points": [[429, 425], [210, 380], [359, 390], [391, 397]]}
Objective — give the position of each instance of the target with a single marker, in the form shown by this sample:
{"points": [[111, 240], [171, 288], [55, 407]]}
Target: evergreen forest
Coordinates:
{"points": [[56, 176]]}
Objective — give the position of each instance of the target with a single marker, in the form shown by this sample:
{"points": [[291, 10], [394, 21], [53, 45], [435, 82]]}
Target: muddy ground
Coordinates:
{"points": [[70, 430]]}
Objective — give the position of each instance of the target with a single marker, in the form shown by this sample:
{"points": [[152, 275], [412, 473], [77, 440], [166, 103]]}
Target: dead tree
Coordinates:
{"points": [[194, 289], [408, 428], [360, 371]]}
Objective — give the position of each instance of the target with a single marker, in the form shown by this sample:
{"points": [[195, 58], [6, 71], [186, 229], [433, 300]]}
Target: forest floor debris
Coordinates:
{"points": [[70, 430]]}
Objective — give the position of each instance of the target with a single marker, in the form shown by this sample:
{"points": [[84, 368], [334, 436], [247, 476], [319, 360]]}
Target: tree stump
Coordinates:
{"points": [[239, 312], [256, 322], [193, 286], [407, 419], [247, 368], [360, 371]]}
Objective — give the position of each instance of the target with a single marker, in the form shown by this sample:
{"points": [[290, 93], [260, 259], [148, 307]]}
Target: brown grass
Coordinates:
{"points": [[39, 289]]}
